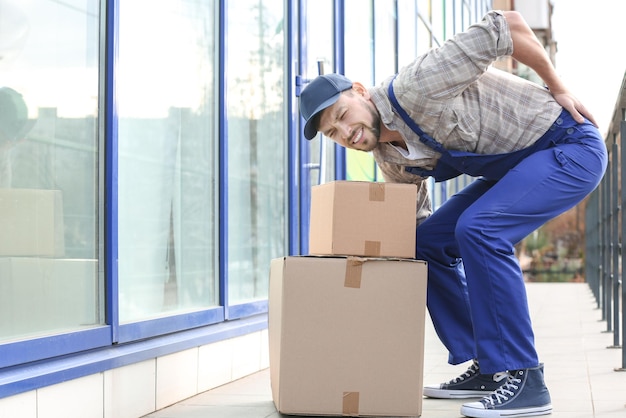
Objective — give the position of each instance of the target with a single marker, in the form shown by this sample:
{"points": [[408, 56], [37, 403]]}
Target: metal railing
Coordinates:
{"points": [[605, 230]]}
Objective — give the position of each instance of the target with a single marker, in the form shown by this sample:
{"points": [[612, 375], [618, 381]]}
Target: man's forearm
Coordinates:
{"points": [[528, 50]]}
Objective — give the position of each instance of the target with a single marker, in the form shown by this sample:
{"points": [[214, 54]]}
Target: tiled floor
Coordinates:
{"points": [[579, 367]]}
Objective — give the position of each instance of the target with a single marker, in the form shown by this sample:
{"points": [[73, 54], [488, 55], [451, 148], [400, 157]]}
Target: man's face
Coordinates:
{"points": [[352, 121]]}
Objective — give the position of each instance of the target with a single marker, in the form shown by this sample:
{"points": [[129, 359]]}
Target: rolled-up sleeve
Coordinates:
{"points": [[446, 71], [394, 173]]}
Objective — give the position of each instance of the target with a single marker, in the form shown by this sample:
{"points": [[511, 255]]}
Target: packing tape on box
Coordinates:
{"points": [[353, 272], [350, 403], [377, 192], [372, 248]]}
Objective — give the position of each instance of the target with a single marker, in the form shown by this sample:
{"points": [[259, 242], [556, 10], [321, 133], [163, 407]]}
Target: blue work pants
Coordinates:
{"points": [[476, 293]]}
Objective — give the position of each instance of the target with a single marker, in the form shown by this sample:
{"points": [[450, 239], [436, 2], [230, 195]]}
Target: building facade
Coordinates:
{"points": [[151, 165]]}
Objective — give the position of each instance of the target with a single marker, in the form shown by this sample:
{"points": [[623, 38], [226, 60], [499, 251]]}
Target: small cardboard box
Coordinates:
{"points": [[363, 218], [31, 223], [346, 335]]}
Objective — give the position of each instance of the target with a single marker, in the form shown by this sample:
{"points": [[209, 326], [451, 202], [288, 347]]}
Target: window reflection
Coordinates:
{"points": [[167, 161], [49, 173], [256, 145]]}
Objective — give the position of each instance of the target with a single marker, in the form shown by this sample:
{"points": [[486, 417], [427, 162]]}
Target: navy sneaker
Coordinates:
{"points": [[524, 394], [470, 384]]}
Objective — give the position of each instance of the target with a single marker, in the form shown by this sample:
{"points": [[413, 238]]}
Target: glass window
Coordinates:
{"points": [[424, 29], [438, 19], [407, 39], [319, 47], [49, 168], [256, 144], [359, 41], [165, 91], [359, 56], [449, 19], [463, 16], [385, 22]]}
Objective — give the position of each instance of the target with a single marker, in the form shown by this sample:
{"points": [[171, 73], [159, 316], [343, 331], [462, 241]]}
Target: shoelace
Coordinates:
{"points": [[504, 392], [471, 371], [500, 376]]}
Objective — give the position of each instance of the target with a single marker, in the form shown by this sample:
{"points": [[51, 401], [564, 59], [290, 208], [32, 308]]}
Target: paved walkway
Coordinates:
{"points": [[579, 368]]}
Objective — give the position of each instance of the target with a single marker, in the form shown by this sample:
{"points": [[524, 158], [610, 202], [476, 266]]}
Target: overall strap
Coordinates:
{"points": [[424, 137]]}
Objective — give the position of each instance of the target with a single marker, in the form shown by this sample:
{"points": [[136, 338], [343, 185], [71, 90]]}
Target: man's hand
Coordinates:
{"points": [[574, 107]]}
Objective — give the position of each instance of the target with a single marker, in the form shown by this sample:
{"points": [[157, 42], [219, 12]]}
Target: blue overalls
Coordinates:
{"points": [[476, 294]]}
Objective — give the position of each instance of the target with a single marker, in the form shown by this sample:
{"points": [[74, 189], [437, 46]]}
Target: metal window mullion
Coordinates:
{"points": [[111, 238], [340, 64], [223, 161]]}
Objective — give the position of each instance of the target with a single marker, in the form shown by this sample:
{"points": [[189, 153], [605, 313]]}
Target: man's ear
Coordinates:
{"points": [[360, 90]]}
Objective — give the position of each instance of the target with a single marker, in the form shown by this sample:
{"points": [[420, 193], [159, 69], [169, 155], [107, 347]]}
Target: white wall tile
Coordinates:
{"points": [[176, 377], [265, 350], [78, 398], [130, 391], [23, 405], [139, 389], [246, 355], [215, 363]]}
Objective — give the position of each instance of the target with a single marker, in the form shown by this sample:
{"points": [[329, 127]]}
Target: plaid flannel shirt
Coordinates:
{"points": [[455, 96]]}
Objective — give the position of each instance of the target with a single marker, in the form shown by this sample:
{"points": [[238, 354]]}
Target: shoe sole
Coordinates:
{"points": [[510, 413], [454, 394]]}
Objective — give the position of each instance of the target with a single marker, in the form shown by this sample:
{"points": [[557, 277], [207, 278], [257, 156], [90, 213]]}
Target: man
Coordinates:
{"points": [[534, 155]]}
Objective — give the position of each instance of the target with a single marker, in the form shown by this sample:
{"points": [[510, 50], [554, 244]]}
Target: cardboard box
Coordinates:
{"points": [[363, 218], [31, 223], [346, 335]]}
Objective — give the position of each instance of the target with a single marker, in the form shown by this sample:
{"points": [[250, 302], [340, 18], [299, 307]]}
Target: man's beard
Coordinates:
{"points": [[374, 129]]}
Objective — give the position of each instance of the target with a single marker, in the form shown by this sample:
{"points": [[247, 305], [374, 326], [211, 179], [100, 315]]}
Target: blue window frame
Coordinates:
{"points": [[56, 290], [98, 341]]}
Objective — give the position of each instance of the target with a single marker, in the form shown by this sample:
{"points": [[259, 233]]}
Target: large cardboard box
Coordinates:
{"points": [[346, 335], [31, 223], [363, 218]]}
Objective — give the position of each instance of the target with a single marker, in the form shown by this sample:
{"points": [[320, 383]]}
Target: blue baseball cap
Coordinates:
{"points": [[321, 93]]}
